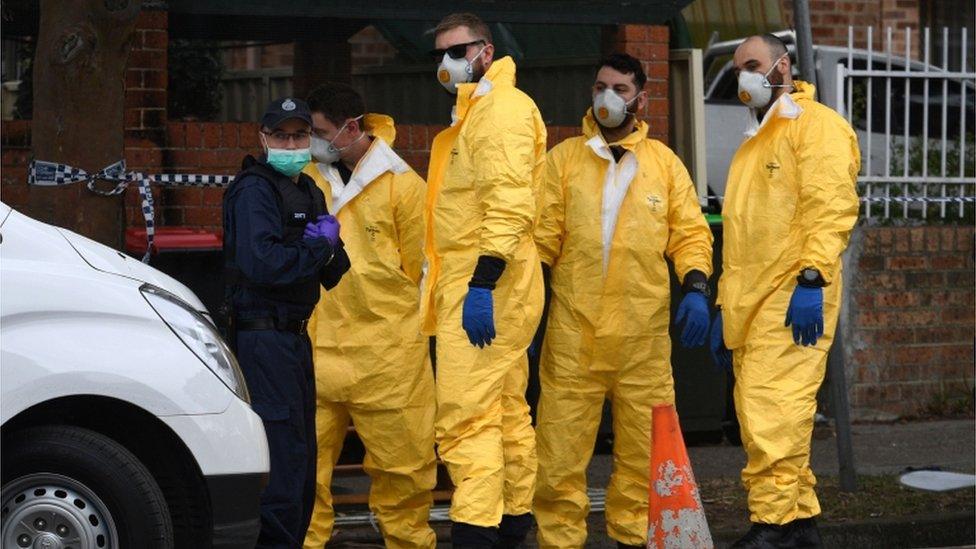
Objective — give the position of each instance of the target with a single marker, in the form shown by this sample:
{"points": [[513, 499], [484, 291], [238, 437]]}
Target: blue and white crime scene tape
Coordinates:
{"points": [[52, 174]]}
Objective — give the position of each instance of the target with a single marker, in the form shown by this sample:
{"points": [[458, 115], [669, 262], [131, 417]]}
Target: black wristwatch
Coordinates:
{"points": [[811, 278], [696, 281]]}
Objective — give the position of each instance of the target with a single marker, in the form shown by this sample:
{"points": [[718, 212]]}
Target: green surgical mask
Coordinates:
{"points": [[289, 161]]}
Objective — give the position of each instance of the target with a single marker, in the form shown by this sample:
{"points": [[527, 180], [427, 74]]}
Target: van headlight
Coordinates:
{"points": [[200, 336]]}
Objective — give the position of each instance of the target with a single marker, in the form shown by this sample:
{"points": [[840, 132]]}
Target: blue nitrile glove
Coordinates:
{"points": [[721, 355], [694, 312], [326, 226], [477, 317], [805, 313]]}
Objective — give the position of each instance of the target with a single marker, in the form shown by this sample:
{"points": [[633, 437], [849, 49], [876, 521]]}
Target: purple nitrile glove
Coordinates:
{"points": [[327, 227]]}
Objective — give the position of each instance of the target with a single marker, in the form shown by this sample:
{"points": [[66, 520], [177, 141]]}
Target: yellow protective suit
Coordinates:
{"points": [[607, 332], [371, 363], [790, 203], [480, 201]]}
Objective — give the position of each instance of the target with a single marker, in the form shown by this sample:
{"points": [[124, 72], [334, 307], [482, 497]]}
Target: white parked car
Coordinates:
{"points": [[125, 417]]}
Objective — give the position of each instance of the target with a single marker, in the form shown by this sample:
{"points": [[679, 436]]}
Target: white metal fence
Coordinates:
{"points": [[915, 124]]}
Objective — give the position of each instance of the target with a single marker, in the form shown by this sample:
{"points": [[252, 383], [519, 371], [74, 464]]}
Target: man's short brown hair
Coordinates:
{"points": [[478, 27]]}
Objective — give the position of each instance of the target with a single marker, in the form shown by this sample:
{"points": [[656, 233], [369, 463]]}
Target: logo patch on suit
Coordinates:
{"points": [[372, 231], [654, 201], [772, 167], [299, 216]]}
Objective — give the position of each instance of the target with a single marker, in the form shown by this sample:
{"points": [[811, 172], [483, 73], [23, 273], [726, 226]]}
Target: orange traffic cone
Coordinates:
{"points": [[675, 516]]}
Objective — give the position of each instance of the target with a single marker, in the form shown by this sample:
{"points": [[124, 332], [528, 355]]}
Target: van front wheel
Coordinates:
{"points": [[65, 486]]}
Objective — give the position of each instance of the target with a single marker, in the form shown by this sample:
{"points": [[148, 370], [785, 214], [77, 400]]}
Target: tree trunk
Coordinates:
{"points": [[79, 93]]}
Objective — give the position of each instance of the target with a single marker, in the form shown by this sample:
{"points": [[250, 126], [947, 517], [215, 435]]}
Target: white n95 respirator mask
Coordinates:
{"points": [[611, 110], [451, 72], [755, 90]]}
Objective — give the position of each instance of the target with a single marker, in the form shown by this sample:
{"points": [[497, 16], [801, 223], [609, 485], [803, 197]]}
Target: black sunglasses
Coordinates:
{"points": [[456, 51]]}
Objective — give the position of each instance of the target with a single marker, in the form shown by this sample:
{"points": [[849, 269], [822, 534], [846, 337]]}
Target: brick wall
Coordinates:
{"points": [[829, 20], [650, 45], [15, 143], [217, 148], [259, 57], [369, 48], [909, 318]]}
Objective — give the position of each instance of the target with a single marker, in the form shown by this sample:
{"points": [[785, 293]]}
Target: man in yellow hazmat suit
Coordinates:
{"points": [[790, 205], [615, 204], [371, 363], [483, 292]]}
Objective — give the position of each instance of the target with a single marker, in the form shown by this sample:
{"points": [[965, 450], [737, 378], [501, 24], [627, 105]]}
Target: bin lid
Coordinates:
{"points": [[173, 239]]}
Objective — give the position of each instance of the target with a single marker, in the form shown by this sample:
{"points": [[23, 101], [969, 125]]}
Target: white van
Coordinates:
{"points": [[125, 417]]}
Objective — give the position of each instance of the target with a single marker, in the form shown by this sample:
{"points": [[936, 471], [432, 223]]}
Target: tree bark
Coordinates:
{"points": [[79, 95]]}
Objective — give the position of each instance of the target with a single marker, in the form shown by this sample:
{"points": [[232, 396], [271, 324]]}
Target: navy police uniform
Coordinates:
{"points": [[273, 279]]}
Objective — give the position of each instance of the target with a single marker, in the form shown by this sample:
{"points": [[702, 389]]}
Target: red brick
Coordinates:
{"points": [[16, 194], [211, 135], [194, 135], [897, 299], [866, 374], [915, 355], [883, 280], [152, 19], [657, 70], [947, 238], [248, 137], [633, 33], [958, 315], [917, 237], [907, 263], [870, 263], [956, 356], [658, 33], [145, 99], [943, 334], [145, 59], [172, 216], [863, 299], [925, 279], [656, 108], [155, 80], [948, 262], [175, 135], [213, 196], [16, 132], [149, 159], [132, 119], [890, 392], [154, 118], [964, 239], [154, 39], [657, 90], [184, 196], [202, 216], [898, 372], [865, 395], [229, 132], [133, 79], [185, 159], [932, 239]]}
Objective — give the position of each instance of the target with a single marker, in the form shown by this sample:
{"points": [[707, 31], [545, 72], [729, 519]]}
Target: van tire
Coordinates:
{"points": [[73, 456]]}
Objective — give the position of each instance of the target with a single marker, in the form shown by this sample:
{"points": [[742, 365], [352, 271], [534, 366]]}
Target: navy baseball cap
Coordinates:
{"points": [[283, 109]]}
